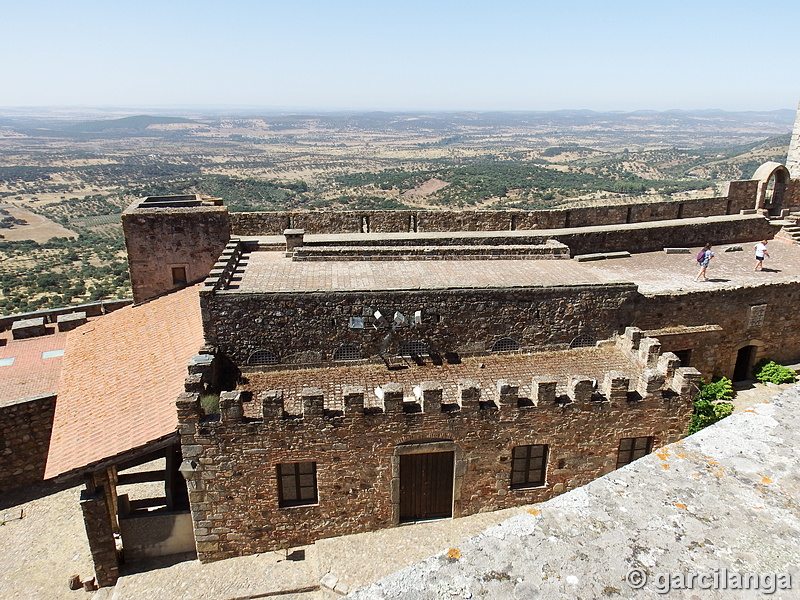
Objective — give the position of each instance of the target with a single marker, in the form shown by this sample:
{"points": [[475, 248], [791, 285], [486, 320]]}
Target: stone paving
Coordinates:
{"points": [[654, 272]]}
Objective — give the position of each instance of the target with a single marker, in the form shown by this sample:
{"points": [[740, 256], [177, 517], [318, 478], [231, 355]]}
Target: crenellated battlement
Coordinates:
{"points": [[659, 379]]}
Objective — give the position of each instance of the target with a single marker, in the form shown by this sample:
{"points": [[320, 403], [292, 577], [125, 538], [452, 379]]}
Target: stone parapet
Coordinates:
{"points": [[223, 269], [28, 328], [741, 196], [426, 398]]}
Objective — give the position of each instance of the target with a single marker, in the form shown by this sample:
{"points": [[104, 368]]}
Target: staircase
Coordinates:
{"points": [[790, 232]]}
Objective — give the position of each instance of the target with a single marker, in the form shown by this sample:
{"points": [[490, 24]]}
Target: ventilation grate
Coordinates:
{"points": [[505, 344], [263, 357]]}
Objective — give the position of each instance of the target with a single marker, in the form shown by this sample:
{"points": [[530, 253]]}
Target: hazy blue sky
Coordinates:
{"points": [[405, 55]]}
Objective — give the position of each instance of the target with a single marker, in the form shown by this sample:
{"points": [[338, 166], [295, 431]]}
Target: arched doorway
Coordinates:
{"points": [[745, 359], [772, 179]]}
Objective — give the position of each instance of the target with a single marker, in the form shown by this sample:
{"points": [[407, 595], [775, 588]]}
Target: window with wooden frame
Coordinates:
{"points": [[528, 466], [632, 448], [297, 483]]}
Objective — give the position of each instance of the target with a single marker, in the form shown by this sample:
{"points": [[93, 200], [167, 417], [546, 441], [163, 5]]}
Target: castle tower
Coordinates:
{"points": [[793, 156], [172, 241]]}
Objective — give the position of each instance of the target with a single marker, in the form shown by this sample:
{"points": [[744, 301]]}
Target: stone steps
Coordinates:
{"points": [[789, 233]]}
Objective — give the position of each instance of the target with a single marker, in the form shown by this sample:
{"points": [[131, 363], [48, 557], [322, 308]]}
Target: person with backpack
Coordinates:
{"points": [[703, 258]]}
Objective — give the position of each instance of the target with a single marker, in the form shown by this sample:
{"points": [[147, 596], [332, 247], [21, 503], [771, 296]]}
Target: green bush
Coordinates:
{"points": [[712, 404], [770, 371], [720, 389], [707, 413], [210, 404]]}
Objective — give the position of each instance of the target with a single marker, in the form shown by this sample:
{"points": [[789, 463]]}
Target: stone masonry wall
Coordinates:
{"points": [[791, 197], [661, 234], [775, 334], [159, 238], [25, 427], [741, 196], [309, 327], [233, 482]]}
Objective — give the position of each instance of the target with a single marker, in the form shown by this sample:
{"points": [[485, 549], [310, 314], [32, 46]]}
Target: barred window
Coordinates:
{"points": [[528, 466], [413, 348], [297, 483], [583, 341], [347, 352], [632, 448], [505, 344], [263, 357]]}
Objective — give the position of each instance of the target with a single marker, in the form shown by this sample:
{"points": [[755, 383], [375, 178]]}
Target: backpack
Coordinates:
{"points": [[701, 255]]}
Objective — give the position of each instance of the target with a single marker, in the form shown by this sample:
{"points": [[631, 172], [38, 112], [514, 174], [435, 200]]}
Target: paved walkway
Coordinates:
{"points": [[40, 551], [653, 272]]}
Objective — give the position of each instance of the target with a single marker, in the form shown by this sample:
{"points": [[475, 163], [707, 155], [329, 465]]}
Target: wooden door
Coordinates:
{"points": [[426, 486]]}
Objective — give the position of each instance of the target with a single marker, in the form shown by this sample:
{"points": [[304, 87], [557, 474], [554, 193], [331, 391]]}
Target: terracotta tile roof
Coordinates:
{"points": [[25, 370], [120, 377]]}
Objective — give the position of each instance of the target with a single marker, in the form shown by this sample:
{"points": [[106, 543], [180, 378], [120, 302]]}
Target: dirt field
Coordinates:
{"points": [[39, 229]]}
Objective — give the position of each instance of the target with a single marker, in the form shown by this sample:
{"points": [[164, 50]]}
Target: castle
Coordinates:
{"points": [[379, 367]]}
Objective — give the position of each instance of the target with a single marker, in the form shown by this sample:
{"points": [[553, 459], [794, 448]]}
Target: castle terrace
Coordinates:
{"points": [[654, 272], [373, 368]]}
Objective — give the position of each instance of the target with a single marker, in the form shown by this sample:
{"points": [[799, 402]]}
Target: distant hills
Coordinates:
{"points": [[136, 123]]}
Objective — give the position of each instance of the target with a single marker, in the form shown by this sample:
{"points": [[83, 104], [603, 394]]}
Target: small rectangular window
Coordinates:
{"points": [[179, 275], [528, 466], [297, 483], [632, 448]]}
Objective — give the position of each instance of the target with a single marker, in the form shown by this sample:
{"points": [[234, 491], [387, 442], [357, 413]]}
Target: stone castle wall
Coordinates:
{"points": [[657, 235], [25, 426], [309, 327], [233, 485], [716, 323], [741, 196], [159, 239]]}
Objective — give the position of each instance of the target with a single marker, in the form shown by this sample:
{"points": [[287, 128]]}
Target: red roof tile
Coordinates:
{"points": [[120, 377], [29, 374]]}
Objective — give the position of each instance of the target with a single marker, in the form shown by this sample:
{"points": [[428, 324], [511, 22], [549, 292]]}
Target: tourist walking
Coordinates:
{"points": [[761, 254], [703, 258]]}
